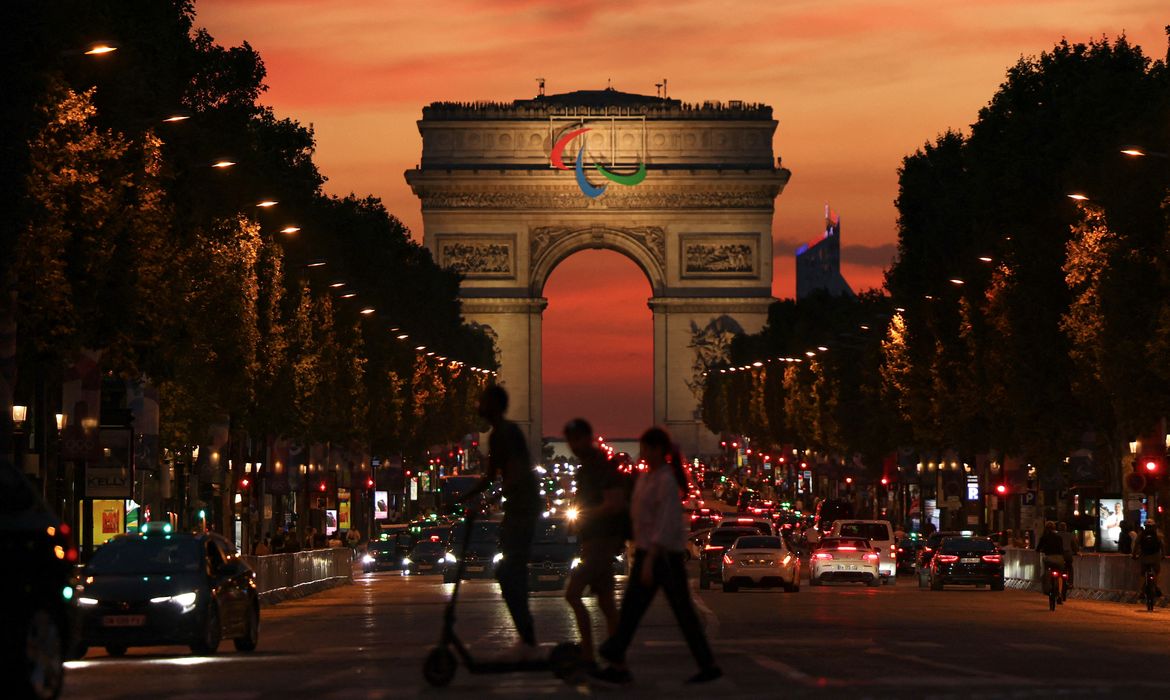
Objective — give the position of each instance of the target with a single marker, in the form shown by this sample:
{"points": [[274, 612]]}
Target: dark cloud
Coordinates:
{"points": [[869, 255]]}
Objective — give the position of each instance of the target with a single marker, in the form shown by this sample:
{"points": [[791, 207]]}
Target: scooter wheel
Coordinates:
{"points": [[564, 659], [439, 668]]}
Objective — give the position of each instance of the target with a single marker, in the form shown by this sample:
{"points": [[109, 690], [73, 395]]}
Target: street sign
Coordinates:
{"points": [[1029, 498], [107, 482]]}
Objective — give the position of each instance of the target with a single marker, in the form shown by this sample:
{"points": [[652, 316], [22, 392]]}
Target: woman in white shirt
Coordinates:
{"points": [[659, 561]]}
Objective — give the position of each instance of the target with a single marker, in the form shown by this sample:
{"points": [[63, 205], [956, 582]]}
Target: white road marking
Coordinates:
{"points": [[710, 619]]}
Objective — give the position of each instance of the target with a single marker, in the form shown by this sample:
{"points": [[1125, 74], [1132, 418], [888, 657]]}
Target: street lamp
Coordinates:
{"points": [[1077, 196], [290, 229], [222, 164], [267, 203], [957, 282], [19, 415], [60, 421], [367, 311]]}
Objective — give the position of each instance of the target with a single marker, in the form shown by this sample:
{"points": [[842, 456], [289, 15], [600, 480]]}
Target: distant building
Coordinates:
{"points": [[818, 262]]}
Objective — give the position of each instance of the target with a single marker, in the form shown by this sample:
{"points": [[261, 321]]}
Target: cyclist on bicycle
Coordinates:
{"points": [[1071, 549], [1052, 547], [1149, 549]]}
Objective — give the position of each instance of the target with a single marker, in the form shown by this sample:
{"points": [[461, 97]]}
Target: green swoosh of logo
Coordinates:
{"points": [[631, 179]]}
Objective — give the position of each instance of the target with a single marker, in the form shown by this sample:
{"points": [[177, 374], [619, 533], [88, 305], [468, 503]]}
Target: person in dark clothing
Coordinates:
{"points": [[1148, 549], [1051, 546], [602, 527], [1125, 539], [509, 461], [659, 562]]}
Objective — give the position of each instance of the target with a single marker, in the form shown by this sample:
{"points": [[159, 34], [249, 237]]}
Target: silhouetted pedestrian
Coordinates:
{"points": [[660, 539]]}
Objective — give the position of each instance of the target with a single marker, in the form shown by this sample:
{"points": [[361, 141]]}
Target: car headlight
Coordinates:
{"points": [[368, 559], [575, 563], [449, 558], [185, 601], [406, 561], [87, 601], [498, 558]]}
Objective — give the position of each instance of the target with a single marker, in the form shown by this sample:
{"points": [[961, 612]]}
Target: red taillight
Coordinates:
{"points": [[712, 548], [947, 558], [927, 549], [694, 517], [993, 558], [847, 549], [727, 559], [901, 550], [823, 556], [873, 556]]}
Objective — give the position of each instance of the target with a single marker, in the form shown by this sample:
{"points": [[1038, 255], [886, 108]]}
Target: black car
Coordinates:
{"points": [[972, 561], [37, 618], [907, 553], [426, 557], [483, 550], [926, 554], [161, 588], [711, 556], [387, 554], [555, 552], [830, 511]]}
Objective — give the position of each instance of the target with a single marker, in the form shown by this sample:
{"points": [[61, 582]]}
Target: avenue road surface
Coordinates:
{"points": [[367, 641]]}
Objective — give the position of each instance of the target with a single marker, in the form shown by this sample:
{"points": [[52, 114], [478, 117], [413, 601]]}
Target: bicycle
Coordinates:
{"points": [[1150, 585], [1055, 578]]}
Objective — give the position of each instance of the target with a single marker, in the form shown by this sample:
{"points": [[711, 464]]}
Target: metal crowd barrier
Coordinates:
{"points": [[287, 575], [1105, 573]]}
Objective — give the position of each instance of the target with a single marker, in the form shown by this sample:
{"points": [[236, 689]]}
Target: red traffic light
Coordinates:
{"points": [[370, 483], [321, 486], [1151, 465], [1000, 489], [244, 483], [885, 481]]}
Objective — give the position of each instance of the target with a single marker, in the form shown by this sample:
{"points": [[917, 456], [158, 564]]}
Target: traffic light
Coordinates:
{"points": [[321, 486], [1001, 489], [1152, 465], [244, 483], [370, 482]]}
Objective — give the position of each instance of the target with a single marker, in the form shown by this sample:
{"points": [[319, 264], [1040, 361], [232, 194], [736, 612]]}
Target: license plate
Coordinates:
{"points": [[475, 569], [970, 560], [424, 567], [124, 620], [847, 567], [548, 578]]}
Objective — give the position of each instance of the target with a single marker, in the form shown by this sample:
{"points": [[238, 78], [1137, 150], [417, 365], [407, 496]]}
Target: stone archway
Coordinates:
{"points": [[698, 226]]}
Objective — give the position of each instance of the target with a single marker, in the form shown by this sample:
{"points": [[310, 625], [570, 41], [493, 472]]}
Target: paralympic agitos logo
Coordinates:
{"points": [[556, 157]]}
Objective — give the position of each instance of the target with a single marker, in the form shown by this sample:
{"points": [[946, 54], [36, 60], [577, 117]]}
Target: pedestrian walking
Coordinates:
{"points": [[509, 460], [603, 523], [659, 561]]}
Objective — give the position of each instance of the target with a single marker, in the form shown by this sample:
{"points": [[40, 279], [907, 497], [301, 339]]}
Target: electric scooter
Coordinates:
{"points": [[442, 662]]}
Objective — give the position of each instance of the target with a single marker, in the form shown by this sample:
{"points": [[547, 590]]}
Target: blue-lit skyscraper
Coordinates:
{"points": [[818, 262]]}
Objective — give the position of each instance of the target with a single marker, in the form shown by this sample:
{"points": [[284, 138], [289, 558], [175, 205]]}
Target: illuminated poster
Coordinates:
{"points": [[381, 505], [343, 515], [1109, 517], [330, 522], [109, 517]]}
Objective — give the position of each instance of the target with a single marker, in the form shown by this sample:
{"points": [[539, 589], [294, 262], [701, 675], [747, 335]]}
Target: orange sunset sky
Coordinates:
{"points": [[855, 85]]}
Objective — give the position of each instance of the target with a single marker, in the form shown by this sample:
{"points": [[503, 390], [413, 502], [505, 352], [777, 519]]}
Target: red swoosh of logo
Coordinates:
{"points": [[558, 150]]}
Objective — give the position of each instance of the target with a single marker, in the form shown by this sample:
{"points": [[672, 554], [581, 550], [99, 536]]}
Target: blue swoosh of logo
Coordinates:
{"points": [[587, 187]]}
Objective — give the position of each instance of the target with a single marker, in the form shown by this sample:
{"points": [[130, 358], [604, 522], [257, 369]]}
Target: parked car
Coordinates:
{"points": [[758, 560], [973, 561], [37, 620], [555, 552], [844, 559], [880, 535], [160, 588], [711, 558]]}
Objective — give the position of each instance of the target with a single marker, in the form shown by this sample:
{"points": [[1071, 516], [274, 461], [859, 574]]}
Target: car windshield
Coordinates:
{"points": [[844, 544], [146, 555], [387, 546], [968, 544], [870, 531], [480, 532], [937, 538], [428, 547], [724, 537], [552, 532], [758, 543]]}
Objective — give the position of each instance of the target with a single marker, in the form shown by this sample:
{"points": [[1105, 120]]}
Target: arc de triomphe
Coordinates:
{"points": [[509, 190]]}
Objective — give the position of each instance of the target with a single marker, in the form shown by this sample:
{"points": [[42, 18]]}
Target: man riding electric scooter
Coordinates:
{"points": [[509, 460]]}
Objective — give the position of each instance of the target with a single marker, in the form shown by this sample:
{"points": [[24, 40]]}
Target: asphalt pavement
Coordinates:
{"points": [[368, 640]]}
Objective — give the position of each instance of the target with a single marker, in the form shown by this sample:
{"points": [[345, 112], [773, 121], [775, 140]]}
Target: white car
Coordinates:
{"points": [[880, 535], [760, 560], [847, 559]]}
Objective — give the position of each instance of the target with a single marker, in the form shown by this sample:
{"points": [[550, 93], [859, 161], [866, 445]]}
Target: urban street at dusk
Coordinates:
{"points": [[556, 347]]}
